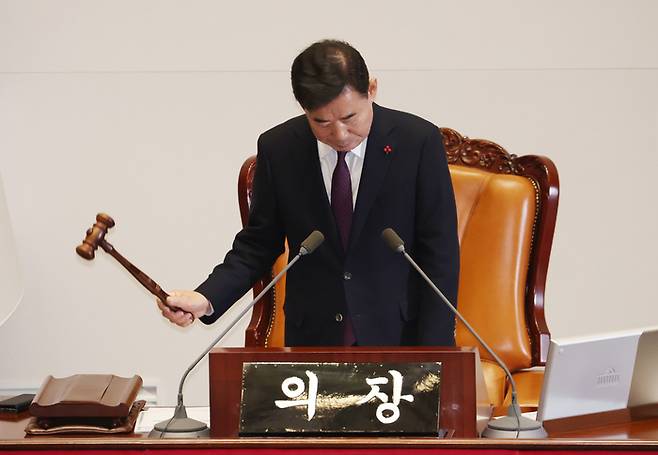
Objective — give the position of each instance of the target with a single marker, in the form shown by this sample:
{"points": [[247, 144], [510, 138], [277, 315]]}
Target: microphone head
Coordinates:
{"points": [[311, 242], [393, 240]]}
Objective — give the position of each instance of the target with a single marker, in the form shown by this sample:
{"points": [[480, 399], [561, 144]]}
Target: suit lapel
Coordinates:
{"points": [[375, 167]]}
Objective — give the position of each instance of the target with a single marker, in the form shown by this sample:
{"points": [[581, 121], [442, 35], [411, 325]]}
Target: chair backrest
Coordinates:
{"points": [[506, 208]]}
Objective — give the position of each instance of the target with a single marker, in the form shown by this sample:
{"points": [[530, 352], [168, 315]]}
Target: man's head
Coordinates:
{"points": [[330, 81]]}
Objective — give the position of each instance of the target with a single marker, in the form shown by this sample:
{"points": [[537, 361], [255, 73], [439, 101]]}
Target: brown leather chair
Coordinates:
{"points": [[506, 207]]}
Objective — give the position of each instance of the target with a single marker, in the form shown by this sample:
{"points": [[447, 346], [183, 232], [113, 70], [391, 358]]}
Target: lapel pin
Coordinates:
{"points": [[388, 149]]}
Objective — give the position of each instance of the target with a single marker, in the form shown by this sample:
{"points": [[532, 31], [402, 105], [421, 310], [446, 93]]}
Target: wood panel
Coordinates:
{"points": [[459, 393]]}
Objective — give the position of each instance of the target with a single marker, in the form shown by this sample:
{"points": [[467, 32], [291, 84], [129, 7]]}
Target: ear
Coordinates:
{"points": [[372, 90]]}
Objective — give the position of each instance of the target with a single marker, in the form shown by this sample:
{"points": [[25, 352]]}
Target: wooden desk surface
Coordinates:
{"points": [[627, 430]]}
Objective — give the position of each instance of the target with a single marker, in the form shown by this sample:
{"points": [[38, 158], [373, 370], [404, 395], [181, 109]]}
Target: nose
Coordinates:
{"points": [[340, 132]]}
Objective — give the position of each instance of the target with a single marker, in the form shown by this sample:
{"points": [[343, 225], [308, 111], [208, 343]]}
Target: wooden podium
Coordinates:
{"points": [[464, 405]]}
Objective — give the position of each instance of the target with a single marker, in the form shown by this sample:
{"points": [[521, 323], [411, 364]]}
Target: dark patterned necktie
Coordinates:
{"points": [[341, 198], [341, 204]]}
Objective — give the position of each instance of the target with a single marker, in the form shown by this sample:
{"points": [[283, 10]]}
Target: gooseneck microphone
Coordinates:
{"points": [[180, 426], [514, 425]]}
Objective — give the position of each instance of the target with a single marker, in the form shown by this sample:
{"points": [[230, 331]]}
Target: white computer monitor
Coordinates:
{"points": [[588, 374]]}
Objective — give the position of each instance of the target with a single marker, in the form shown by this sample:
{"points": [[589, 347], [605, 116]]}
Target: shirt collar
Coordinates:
{"points": [[359, 150]]}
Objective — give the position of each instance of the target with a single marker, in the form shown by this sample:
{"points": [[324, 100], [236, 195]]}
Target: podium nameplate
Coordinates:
{"points": [[339, 398]]}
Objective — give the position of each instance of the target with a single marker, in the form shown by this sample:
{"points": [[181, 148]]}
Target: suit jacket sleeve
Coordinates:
{"points": [[436, 246], [254, 249]]}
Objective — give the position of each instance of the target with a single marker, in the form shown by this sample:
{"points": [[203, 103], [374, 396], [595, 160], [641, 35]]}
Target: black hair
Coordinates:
{"points": [[322, 71]]}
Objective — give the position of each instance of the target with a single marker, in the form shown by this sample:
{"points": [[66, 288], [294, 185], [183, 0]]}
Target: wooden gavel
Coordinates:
{"points": [[96, 237]]}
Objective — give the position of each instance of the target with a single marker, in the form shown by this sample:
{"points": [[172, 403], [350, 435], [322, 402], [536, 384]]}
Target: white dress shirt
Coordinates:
{"points": [[354, 160]]}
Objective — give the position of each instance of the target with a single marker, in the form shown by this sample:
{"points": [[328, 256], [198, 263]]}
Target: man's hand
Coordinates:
{"points": [[188, 303]]}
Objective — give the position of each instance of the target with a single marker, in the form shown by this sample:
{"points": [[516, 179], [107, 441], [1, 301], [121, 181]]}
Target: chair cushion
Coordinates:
{"points": [[496, 215], [494, 377], [276, 332], [528, 388]]}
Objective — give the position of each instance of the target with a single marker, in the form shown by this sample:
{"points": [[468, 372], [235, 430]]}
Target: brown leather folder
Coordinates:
{"points": [[86, 425], [86, 395], [86, 403]]}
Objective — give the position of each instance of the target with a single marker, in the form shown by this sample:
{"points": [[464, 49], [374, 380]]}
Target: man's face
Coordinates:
{"points": [[345, 122]]}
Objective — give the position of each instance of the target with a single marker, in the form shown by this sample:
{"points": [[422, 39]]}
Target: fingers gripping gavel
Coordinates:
{"points": [[96, 237]]}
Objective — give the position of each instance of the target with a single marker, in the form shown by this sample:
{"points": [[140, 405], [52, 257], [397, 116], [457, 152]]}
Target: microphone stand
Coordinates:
{"points": [[512, 426], [181, 426]]}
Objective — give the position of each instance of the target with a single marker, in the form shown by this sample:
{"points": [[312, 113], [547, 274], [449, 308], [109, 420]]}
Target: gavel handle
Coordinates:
{"points": [[153, 287]]}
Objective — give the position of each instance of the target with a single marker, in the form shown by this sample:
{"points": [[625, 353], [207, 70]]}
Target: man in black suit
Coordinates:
{"points": [[348, 168]]}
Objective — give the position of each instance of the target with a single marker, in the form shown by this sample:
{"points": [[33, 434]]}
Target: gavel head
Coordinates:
{"points": [[95, 236]]}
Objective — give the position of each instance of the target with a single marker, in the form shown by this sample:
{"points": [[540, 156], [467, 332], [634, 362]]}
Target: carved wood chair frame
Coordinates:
{"points": [[462, 151]]}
